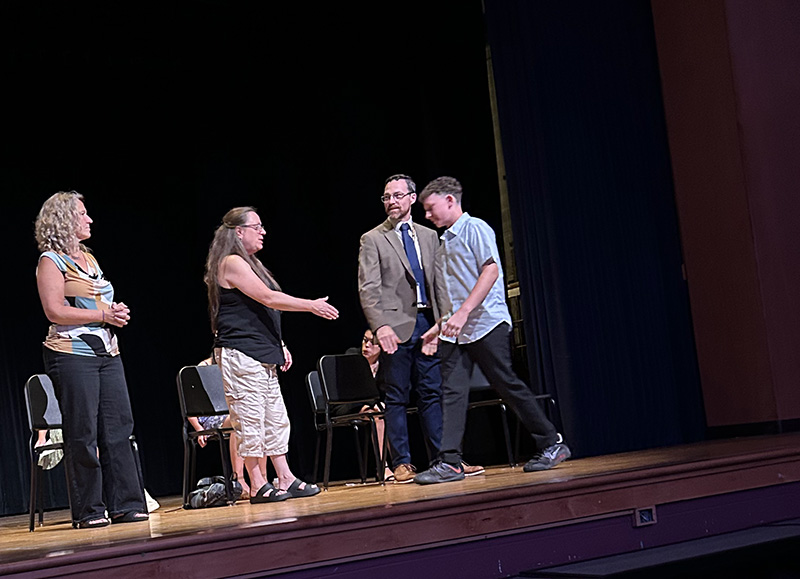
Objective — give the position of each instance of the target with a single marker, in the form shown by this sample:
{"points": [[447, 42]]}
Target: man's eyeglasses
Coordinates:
{"points": [[257, 227], [395, 196]]}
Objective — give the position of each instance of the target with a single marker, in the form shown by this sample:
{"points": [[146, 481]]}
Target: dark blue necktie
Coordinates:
{"points": [[416, 268]]}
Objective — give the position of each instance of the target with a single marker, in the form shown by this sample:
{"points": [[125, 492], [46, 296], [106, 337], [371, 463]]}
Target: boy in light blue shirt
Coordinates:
{"points": [[475, 329]]}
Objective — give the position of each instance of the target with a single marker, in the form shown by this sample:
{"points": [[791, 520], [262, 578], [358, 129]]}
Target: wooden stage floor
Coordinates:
{"points": [[363, 522]]}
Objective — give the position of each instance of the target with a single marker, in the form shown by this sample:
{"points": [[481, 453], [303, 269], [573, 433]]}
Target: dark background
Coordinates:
{"points": [[166, 117]]}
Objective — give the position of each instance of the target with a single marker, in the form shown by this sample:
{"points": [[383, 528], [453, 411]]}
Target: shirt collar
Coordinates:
{"points": [[456, 227], [399, 223]]}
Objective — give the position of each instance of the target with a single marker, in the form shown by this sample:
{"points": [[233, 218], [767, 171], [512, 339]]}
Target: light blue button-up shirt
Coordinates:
{"points": [[467, 245]]}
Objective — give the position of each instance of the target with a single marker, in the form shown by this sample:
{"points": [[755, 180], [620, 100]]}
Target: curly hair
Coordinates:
{"points": [[442, 186], [57, 222], [226, 243]]}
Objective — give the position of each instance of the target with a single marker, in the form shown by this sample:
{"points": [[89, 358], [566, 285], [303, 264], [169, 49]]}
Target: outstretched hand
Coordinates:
{"points": [[320, 307]]}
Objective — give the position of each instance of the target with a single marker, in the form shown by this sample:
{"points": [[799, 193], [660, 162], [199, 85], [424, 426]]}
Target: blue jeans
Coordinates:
{"points": [[409, 368], [96, 415]]}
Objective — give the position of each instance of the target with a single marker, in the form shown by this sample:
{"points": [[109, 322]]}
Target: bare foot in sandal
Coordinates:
{"points": [[299, 489], [268, 494]]}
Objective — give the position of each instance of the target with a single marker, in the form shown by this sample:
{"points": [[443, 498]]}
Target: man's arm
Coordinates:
{"points": [[369, 293]]}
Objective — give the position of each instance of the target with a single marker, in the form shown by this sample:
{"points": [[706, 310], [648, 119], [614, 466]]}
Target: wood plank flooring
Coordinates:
{"points": [[575, 482]]}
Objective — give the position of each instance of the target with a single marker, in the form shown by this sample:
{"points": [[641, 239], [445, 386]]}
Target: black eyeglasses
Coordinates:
{"points": [[395, 196], [257, 227]]}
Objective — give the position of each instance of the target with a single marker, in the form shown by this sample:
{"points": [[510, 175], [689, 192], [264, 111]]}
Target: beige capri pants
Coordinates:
{"points": [[258, 413]]}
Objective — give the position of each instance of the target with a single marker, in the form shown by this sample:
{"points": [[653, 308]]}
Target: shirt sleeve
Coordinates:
{"points": [[55, 258], [481, 240]]}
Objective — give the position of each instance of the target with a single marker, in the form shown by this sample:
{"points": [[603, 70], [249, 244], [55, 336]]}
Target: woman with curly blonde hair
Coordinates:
{"points": [[82, 359]]}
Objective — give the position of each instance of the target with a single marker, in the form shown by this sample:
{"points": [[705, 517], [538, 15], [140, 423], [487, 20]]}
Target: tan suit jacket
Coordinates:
{"points": [[386, 285]]}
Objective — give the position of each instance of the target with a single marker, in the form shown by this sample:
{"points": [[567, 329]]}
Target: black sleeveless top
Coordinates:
{"points": [[249, 326]]}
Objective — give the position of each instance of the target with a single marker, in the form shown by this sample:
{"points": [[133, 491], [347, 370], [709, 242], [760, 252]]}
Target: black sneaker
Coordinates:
{"points": [[548, 458], [439, 473]]}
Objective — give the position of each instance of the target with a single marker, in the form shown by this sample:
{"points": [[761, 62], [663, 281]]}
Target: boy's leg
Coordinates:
{"points": [[492, 353]]}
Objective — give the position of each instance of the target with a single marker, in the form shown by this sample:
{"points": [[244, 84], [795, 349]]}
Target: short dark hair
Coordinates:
{"points": [[442, 186], [412, 187]]}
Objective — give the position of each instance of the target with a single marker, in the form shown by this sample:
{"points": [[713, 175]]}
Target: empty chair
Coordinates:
{"points": [[201, 393], [346, 381]]}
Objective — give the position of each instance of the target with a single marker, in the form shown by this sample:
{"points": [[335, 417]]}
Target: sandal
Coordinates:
{"points": [[268, 494], [94, 523], [296, 492], [130, 517]]}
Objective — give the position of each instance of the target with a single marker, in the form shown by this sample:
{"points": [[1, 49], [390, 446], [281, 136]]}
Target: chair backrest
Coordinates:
{"points": [[347, 378], [42, 404], [201, 391], [315, 393]]}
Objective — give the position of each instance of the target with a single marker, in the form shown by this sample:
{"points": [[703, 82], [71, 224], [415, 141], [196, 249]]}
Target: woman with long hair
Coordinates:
{"points": [[81, 357], [244, 302]]}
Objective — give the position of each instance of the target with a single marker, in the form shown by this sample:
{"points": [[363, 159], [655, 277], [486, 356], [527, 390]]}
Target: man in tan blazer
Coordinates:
{"points": [[397, 286]]}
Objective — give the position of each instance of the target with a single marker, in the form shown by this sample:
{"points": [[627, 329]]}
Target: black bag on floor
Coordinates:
{"points": [[210, 492]]}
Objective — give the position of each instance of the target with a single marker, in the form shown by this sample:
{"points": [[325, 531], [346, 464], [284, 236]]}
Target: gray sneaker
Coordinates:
{"points": [[548, 458], [439, 473]]}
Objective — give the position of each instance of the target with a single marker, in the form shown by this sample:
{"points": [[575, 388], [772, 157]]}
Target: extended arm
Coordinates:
{"points": [[369, 292], [235, 272]]}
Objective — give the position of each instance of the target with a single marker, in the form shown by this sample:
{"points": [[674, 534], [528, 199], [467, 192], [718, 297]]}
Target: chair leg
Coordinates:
{"points": [[227, 471], [328, 449], [380, 459], [34, 477], [366, 440], [137, 461], [186, 452], [39, 497], [316, 457], [504, 416], [362, 467]]}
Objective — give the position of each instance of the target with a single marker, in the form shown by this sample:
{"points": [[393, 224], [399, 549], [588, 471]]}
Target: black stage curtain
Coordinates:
{"points": [[595, 227], [165, 118]]}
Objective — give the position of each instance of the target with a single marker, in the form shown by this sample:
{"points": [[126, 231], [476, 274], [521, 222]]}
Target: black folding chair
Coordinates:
{"points": [[43, 414], [345, 379], [201, 393]]}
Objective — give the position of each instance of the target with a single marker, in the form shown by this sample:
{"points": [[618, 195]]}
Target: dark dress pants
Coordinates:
{"points": [[96, 415], [492, 354], [409, 368]]}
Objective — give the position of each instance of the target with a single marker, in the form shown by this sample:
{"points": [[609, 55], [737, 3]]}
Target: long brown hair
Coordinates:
{"points": [[226, 243]]}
